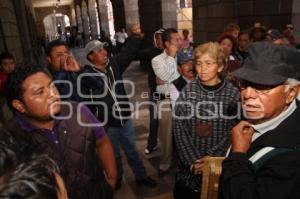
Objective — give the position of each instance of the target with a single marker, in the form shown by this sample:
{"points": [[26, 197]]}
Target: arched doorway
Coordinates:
{"points": [[55, 26]]}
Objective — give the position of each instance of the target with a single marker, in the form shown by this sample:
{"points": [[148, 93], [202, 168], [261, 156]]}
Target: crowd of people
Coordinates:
{"points": [[64, 125]]}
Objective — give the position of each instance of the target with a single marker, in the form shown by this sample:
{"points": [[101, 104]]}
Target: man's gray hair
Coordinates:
{"points": [[291, 82]]}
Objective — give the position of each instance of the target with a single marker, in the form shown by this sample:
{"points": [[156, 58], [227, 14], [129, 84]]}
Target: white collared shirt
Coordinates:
{"points": [[273, 123], [165, 68]]}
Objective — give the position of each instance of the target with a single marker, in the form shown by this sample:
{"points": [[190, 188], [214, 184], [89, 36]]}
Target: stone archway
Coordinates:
{"points": [[94, 19], [55, 26], [85, 22]]}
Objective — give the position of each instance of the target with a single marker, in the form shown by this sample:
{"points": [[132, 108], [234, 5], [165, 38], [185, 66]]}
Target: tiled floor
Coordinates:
{"points": [[129, 189]]}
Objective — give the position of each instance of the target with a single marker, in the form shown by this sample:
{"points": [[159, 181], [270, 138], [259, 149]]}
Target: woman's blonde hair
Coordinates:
{"points": [[214, 50]]}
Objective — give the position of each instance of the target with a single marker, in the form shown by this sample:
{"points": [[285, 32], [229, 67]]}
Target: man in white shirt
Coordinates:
{"points": [[165, 69]]}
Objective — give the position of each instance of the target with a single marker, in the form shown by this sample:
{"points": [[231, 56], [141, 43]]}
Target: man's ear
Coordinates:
{"points": [[292, 93], [18, 105], [167, 44], [49, 59], [179, 69], [90, 56]]}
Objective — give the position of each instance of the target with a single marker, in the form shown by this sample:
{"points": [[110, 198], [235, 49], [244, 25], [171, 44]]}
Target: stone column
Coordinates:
{"points": [[296, 18], [93, 19], [79, 19], [104, 16], [169, 13], [73, 17], [85, 22], [9, 36], [131, 12]]}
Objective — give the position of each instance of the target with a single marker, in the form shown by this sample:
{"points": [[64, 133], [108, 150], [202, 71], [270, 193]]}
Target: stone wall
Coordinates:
{"points": [[210, 16], [17, 30], [150, 13], [169, 13], [119, 14], [296, 18]]}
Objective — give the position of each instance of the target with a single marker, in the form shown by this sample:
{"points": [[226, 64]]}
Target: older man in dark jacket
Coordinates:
{"points": [[265, 156]]}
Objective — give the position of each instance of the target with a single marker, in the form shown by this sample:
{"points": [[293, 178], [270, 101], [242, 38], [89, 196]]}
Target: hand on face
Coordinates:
{"points": [[241, 136], [172, 49], [70, 64]]}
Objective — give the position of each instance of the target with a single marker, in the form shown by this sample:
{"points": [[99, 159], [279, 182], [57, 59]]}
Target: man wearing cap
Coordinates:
{"points": [[264, 160], [185, 68], [102, 85], [165, 68]]}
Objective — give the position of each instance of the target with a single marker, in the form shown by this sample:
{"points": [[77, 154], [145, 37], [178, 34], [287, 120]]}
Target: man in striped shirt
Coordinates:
{"points": [[165, 69]]}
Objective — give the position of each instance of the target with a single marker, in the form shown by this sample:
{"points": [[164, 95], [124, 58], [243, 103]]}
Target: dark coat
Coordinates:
{"points": [[100, 88], [277, 178], [145, 57]]}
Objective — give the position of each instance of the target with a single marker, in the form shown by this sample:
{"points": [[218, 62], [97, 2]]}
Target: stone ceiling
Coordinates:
{"points": [[49, 3]]}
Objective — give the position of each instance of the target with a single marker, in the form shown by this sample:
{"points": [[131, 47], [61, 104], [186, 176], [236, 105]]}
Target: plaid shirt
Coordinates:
{"points": [[217, 108]]}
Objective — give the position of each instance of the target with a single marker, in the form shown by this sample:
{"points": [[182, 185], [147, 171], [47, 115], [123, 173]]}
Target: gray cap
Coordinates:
{"points": [[270, 64], [94, 45]]}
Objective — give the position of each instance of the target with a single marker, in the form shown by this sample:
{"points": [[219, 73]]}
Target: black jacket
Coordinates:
{"points": [[110, 103], [145, 57], [277, 178]]}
